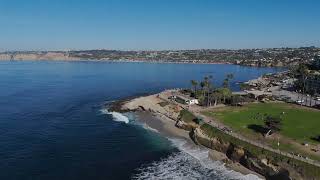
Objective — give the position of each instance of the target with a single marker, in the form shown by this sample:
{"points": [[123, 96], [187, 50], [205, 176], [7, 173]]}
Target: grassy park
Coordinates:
{"points": [[259, 152], [299, 125]]}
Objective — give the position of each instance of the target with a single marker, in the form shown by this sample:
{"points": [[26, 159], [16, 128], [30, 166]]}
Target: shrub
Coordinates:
{"points": [[186, 116]]}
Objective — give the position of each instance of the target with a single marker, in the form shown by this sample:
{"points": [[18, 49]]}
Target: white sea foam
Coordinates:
{"points": [[116, 116], [190, 163], [145, 126]]}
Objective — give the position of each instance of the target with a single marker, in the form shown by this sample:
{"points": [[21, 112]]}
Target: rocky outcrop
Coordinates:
{"points": [[268, 164], [183, 125], [236, 153]]}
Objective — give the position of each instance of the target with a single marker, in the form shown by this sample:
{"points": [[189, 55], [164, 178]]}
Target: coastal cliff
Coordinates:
{"points": [[266, 163], [271, 166], [63, 56], [244, 157]]}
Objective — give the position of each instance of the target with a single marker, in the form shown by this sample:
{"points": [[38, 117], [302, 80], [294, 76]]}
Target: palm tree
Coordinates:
{"points": [[207, 87], [302, 73], [226, 82], [305, 77], [194, 84], [235, 100], [217, 97], [225, 93], [311, 92], [202, 85], [210, 88]]}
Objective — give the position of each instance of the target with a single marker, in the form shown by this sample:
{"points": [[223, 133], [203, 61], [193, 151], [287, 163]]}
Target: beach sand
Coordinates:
{"points": [[163, 125], [162, 120]]}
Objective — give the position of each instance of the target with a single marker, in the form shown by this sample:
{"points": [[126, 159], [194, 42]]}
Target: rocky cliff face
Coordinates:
{"points": [[270, 167], [186, 126], [238, 154], [37, 56]]}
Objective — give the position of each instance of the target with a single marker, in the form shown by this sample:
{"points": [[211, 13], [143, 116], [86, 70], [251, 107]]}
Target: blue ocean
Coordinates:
{"points": [[54, 125]]}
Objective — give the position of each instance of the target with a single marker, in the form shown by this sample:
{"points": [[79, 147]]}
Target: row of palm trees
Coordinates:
{"points": [[303, 74], [207, 92]]}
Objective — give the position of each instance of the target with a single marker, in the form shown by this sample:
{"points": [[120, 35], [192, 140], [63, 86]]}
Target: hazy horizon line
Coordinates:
{"points": [[173, 49]]}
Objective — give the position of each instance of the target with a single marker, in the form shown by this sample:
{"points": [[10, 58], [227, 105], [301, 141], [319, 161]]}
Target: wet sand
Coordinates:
{"points": [[163, 119], [163, 125], [166, 127]]}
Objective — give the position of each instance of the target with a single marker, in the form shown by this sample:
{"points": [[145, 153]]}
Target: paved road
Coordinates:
{"points": [[308, 101]]}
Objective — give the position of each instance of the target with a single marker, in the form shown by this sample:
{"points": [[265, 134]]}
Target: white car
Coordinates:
{"points": [[317, 98], [300, 101]]}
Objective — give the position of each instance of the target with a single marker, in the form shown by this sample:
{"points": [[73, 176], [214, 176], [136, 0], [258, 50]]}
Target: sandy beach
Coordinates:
{"points": [[163, 120]]}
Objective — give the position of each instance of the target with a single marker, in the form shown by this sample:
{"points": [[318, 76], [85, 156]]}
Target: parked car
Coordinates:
{"points": [[300, 101]]}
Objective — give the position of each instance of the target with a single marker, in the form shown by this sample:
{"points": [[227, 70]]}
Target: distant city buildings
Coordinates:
{"points": [[273, 57]]}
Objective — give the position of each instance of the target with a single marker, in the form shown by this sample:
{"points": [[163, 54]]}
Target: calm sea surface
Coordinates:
{"points": [[53, 124]]}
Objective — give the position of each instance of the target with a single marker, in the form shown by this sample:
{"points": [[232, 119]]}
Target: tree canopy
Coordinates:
{"points": [[273, 123]]}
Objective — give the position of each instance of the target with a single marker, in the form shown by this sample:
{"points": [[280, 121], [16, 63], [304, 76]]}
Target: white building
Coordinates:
{"points": [[192, 101], [186, 100]]}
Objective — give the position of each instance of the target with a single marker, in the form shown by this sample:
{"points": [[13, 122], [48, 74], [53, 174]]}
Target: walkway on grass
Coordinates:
{"points": [[196, 110], [224, 129]]}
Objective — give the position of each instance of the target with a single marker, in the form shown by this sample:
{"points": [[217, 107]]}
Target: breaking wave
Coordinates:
{"points": [[190, 163], [116, 116], [145, 126]]}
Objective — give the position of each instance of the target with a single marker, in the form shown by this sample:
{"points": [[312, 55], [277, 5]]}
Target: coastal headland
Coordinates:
{"points": [[173, 119], [158, 115]]}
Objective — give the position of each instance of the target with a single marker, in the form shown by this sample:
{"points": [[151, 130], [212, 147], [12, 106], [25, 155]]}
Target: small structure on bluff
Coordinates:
{"points": [[185, 100]]}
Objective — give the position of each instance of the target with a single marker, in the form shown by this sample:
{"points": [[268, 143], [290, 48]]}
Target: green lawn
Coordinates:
{"points": [[307, 169], [298, 123], [187, 116]]}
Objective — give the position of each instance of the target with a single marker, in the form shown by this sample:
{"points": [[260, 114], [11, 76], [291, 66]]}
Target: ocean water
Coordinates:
{"points": [[53, 124]]}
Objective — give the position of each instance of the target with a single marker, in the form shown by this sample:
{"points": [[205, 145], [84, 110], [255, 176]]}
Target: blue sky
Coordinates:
{"points": [[157, 24]]}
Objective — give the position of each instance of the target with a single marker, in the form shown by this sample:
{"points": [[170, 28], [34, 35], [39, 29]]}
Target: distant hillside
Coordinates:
{"points": [[250, 57], [32, 55]]}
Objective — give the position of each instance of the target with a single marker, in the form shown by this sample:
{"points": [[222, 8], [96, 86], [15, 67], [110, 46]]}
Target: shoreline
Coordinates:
{"points": [[137, 61], [166, 127], [148, 111]]}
